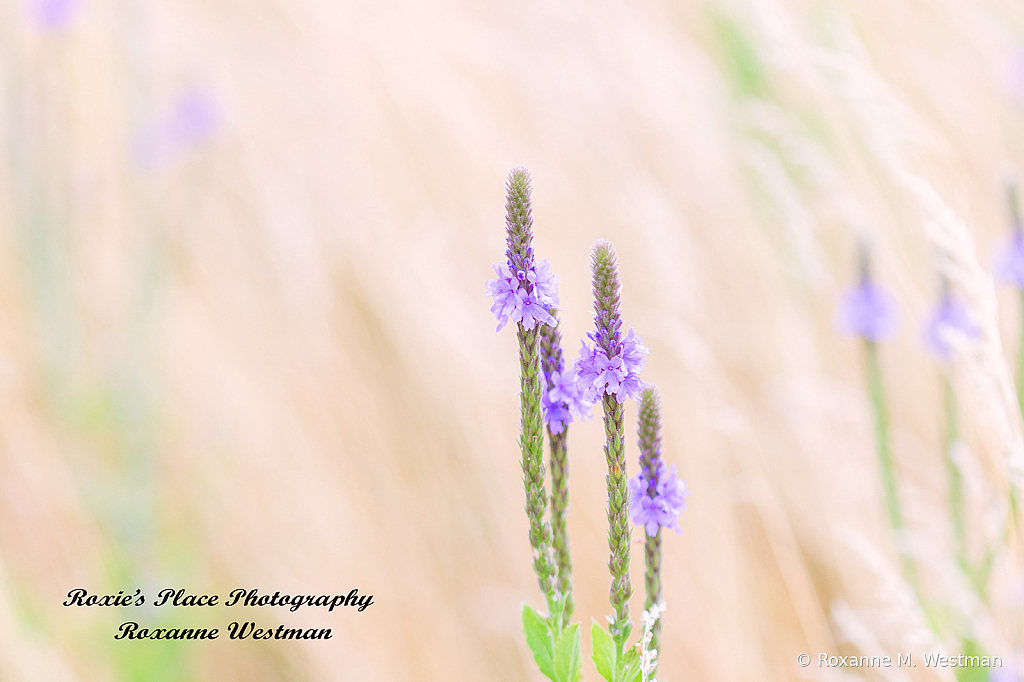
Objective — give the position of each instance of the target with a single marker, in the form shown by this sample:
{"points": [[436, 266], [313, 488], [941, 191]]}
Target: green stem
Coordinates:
{"points": [[652, 583], [875, 390], [619, 535], [889, 484], [956, 496], [1020, 402], [886, 464], [559, 513], [532, 447]]}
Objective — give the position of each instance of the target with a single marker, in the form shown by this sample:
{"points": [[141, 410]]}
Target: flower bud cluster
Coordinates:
{"points": [[619, 375], [525, 296], [662, 509], [563, 400]]}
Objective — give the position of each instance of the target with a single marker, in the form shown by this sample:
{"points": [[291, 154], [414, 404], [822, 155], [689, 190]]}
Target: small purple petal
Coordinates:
{"points": [[661, 510], [634, 352], [545, 283]]}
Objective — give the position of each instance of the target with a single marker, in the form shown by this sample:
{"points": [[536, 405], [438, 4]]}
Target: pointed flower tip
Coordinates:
{"points": [[650, 397], [525, 290], [604, 263], [604, 251], [519, 178]]}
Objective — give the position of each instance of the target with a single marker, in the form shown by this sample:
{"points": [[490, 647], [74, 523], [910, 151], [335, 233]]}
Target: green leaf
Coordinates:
{"points": [[568, 660], [628, 668], [555, 619], [604, 650], [540, 641]]}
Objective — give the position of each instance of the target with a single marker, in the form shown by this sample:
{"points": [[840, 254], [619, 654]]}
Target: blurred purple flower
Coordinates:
{"points": [[1008, 262], [662, 510], [868, 311], [556, 415], [192, 119], [54, 15], [950, 318], [562, 401]]}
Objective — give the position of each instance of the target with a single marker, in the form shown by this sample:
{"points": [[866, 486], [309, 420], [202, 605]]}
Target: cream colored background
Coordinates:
{"points": [[270, 362]]}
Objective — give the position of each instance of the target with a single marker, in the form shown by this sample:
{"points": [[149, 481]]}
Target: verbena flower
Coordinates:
{"points": [[524, 296], [661, 510], [950, 319], [563, 400], [609, 372], [560, 400], [598, 375], [518, 291], [869, 311]]}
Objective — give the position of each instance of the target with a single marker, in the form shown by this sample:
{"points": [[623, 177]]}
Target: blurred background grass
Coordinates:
{"points": [[245, 341]]}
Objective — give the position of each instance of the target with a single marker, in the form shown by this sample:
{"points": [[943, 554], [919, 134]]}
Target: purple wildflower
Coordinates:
{"points": [[634, 352], [503, 290], [869, 311], [559, 400], [524, 297], [54, 15], [565, 392], [599, 375], [529, 310], [951, 318], [663, 509], [519, 294], [545, 283], [556, 415]]}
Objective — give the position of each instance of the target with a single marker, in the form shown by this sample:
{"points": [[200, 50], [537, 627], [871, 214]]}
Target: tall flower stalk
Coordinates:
{"points": [[870, 312], [561, 400], [656, 500], [610, 371], [649, 433], [950, 319], [525, 292]]}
